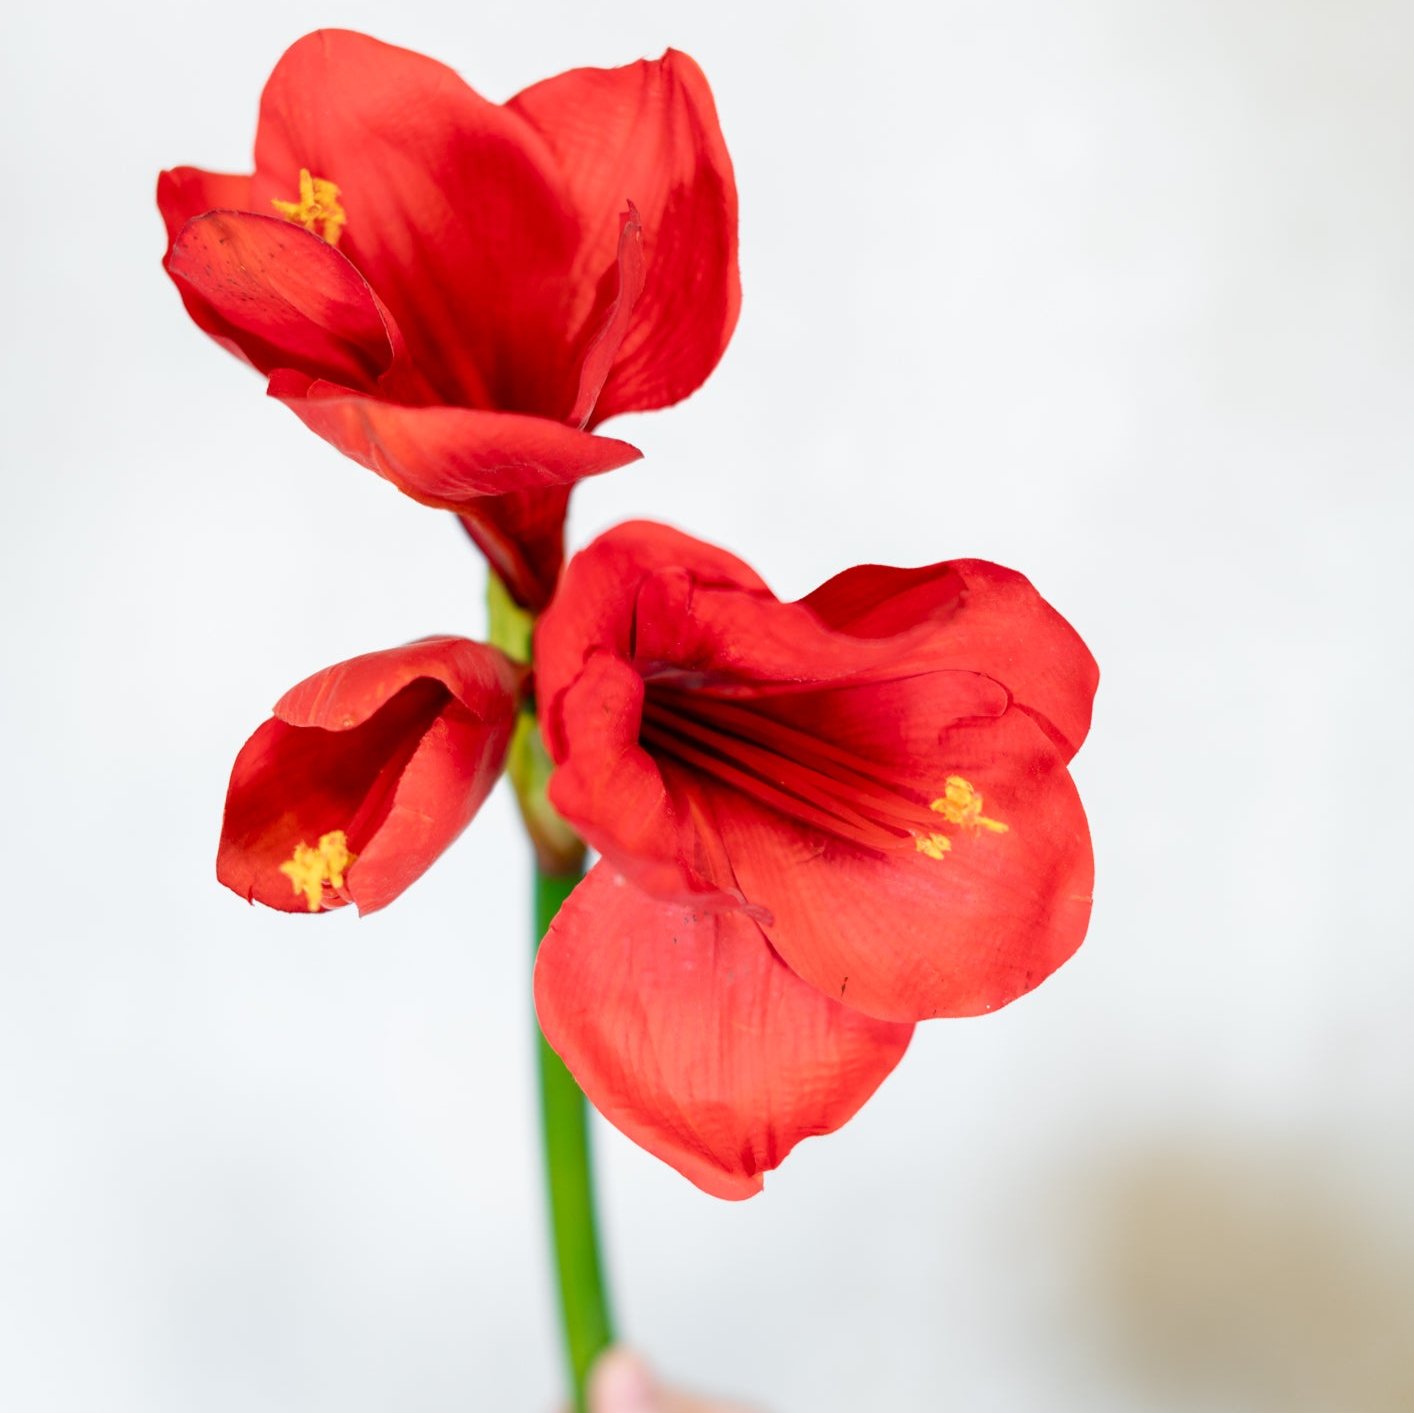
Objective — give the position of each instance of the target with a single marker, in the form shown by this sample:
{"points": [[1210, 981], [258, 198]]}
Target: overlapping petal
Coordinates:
{"points": [[689, 1034], [391, 754], [971, 614], [654, 141], [287, 297], [453, 211], [508, 475]]}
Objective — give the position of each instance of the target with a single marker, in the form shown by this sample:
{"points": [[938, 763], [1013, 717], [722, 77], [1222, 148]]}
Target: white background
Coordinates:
{"points": [[1119, 292]]}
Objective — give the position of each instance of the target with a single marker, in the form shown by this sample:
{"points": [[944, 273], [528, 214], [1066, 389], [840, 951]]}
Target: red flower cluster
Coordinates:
{"points": [[818, 822]]}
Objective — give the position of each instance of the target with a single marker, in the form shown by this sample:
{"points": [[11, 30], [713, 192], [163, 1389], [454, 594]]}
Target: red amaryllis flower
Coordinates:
{"points": [[454, 292], [367, 771], [820, 822]]}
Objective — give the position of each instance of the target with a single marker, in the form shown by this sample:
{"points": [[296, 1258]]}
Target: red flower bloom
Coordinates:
{"points": [[452, 291], [820, 822], [365, 774]]}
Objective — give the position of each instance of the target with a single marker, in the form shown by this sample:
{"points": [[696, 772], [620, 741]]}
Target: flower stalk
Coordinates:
{"points": [[569, 1180], [564, 1115]]}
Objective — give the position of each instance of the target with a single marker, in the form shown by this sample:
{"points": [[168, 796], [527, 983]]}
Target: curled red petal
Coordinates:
{"points": [[345, 695], [448, 457], [691, 1036], [623, 803], [288, 298], [508, 475], [393, 751], [611, 318]]}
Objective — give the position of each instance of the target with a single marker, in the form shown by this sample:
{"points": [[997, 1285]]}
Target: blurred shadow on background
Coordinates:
{"points": [[1222, 1274]]}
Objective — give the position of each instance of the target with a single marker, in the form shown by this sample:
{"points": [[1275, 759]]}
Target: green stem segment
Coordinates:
{"points": [[569, 1178]]}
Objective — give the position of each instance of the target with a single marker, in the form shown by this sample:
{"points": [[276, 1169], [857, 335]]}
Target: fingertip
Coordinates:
{"points": [[621, 1383]]}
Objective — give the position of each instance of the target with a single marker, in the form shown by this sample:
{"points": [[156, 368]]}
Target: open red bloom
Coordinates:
{"points": [[820, 822], [453, 292], [367, 771]]}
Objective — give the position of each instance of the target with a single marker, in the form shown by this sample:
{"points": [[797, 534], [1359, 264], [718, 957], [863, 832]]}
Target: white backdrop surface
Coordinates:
{"points": [[1120, 294]]}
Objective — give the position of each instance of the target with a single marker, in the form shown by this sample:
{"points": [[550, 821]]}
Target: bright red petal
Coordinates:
{"points": [[690, 1035], [619, 798], [905, 936], [611, 319], [453, 206], [453, 458], [978, 616], [184, 192], [648, 134], [345, 695], [287, 297], [397, 749], [595, 607]]}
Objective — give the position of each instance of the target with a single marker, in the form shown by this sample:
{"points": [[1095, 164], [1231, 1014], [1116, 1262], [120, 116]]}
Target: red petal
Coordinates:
{"points": [[185, 192], [617, 796], [690, 1035], [345, 695], [398, 749], [454, 212], [978, 616], [907, 937], [648, 133], [289, 299], [595, 607], [448, 457], [611, 319]]}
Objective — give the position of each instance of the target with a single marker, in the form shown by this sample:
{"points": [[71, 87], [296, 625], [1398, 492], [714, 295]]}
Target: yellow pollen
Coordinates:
{"points": [[309, 869], [934, 845], [961, 804], [317, 209]]}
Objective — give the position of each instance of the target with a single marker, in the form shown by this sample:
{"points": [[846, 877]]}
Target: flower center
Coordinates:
{"points": [[317, 209], [310, 868], [806, 778]]}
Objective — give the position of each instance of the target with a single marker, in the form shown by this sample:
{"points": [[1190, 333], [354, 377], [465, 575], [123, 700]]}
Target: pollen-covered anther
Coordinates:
{"points": [[317, 209], [310, 867], [961, 804], [934, 846]]}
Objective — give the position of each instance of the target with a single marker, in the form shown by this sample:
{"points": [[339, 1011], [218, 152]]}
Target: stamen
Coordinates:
{"points": [[309, 869], [961, 804], [317, 209]]}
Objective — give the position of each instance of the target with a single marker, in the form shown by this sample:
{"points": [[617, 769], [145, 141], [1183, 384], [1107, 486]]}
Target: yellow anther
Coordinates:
{"points": [[961, 804], [317, 209], [933, 845], [309, 869]]}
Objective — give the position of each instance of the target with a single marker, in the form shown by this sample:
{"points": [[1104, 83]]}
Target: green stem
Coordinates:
{"points": [[569, 1180]]}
